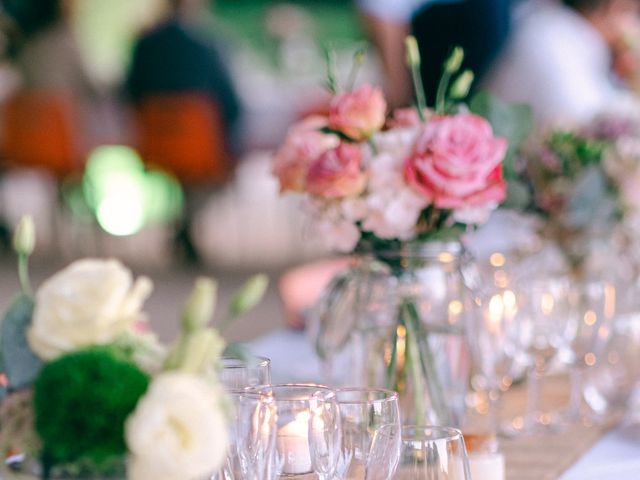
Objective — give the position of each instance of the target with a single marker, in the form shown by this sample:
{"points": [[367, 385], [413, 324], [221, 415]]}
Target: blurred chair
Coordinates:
{"points": [[184, 134], [39, 130]]}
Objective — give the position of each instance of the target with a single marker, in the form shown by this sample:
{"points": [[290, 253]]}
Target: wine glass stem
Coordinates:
{"points": [[533, 391], [576, 379]]}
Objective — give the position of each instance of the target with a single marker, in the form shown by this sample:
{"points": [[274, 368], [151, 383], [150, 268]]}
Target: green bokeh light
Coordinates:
{"points": [[124, 196]]}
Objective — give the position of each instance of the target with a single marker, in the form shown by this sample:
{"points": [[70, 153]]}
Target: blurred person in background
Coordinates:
{"points": [[560, 58], [478, 26], [182, 54], [48, 60]]}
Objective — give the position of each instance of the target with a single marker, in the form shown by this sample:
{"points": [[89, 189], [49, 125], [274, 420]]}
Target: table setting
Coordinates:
{"points": [[485, 326]]}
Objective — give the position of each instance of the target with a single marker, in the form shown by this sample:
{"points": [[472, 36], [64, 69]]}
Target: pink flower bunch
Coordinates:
{"points": [[360, 176]]}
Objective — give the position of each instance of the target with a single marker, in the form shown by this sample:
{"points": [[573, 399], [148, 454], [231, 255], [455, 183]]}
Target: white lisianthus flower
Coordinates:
{"points": [[177, 431], [90, 302]]}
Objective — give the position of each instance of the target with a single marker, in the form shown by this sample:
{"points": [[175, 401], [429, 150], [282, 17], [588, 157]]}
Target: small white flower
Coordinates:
{"points": [[339, 234], [474, 215], [90, 302], [178, 430]]}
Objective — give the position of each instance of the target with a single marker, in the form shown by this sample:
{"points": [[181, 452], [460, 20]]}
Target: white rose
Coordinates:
{"points": [[90, 302], [177, 431]]}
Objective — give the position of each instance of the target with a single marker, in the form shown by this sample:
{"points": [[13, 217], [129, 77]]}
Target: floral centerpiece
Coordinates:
{"points": [[584, 183], [387, 184], [90, 392]]}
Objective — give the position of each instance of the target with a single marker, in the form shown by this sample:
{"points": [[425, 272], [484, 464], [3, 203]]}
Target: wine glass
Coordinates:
{"points": [[237, 374], [370, 433], [495, 329], [588, 334], [308, 432], [432, 453], [547, 309]]}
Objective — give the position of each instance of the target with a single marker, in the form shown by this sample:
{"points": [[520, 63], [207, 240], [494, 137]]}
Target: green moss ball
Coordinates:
{"points": [[81, 402]]}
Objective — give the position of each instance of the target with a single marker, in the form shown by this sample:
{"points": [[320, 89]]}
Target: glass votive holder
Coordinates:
{"points": [[308, 430], [432, 453], [238, 374]]}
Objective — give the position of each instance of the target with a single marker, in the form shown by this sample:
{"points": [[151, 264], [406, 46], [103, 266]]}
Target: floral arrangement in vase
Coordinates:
{"points": [[89, 390], [382, 182], [584, 182], [367, 176]]}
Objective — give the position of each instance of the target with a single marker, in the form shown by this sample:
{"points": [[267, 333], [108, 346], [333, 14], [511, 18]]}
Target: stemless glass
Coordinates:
{"points": [[238, 374], [253, 436], [370, 433], [432, 453], [308, 431]]}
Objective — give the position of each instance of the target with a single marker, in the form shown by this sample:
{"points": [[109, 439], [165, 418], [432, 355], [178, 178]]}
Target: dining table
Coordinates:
{"points": [[608, 449]]}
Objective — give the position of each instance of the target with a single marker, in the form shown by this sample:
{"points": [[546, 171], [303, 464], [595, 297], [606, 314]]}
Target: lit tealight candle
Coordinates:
{"points": [[293, 444], [486, 466]]}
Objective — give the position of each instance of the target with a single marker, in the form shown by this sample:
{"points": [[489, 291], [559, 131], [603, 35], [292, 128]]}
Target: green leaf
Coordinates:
{"points": [[512, 121], [518, 195], [18, 361], [237, 350]]}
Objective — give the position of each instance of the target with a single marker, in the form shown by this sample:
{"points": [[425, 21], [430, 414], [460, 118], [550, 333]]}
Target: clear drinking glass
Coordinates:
{"points": [[432, 453], [308, 431], [253, 436], [547, 309], [237, 374], [370, 433]]}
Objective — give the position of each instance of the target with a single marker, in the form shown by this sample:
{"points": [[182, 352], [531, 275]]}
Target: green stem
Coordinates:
{"points": [[23, 274], [441, 95], [391, 368], [413, 360], [372, 144], [421, 102], [436, 391]]}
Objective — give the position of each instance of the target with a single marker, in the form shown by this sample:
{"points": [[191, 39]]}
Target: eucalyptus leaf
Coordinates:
{"points": [[512, 121], [19, 363], [237, 350], [590, 203]]}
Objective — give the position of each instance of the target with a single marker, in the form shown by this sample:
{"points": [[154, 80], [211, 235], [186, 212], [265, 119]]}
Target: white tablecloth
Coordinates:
{"points": [[616, 456]]}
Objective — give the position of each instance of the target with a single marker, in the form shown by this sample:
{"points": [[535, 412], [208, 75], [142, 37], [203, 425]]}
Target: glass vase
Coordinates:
{"points": [[401, 315]]}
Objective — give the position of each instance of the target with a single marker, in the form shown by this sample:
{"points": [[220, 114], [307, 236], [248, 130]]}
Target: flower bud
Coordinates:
{"points": [[249, 295], [24, 238], [200, 352], [200, 306], [413, 53], [454, 62], [462, 85]]}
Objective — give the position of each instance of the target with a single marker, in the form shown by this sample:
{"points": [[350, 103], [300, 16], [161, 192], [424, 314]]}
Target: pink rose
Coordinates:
{"points": [[358, 114], [337, 173], [457, 162], [304, 144]]}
